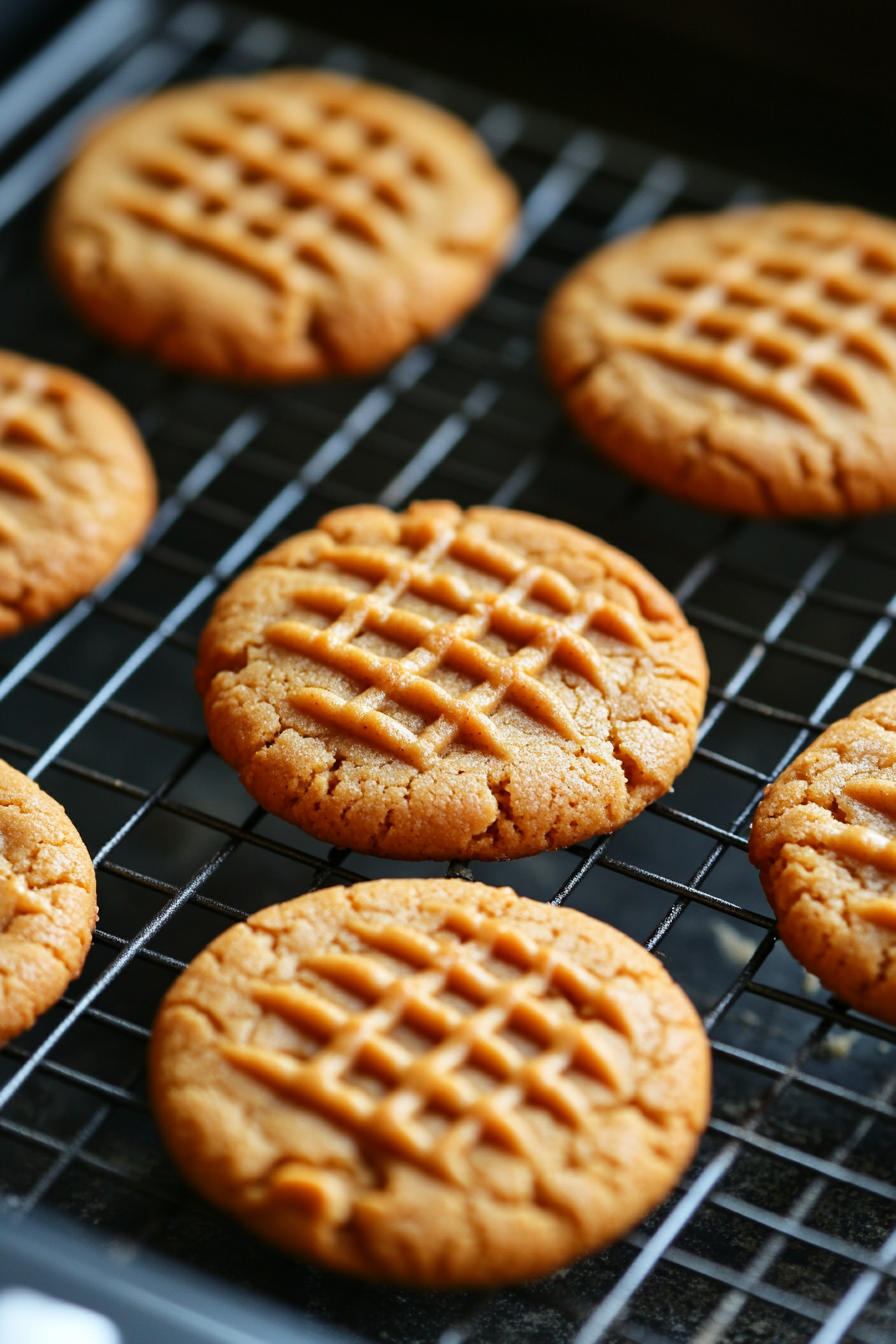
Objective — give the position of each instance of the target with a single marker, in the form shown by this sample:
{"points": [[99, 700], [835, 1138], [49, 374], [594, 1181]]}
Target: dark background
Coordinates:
{"points": [[799, 92]]}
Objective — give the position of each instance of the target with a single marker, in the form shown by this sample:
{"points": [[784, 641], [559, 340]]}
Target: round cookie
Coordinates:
{"points": [[286, 225], [77, 488], [824, 841], [744, 360], [428, 1080], [443, 684], [47, 902]]}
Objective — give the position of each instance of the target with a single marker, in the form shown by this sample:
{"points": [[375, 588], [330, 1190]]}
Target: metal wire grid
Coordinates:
{"points": [[784, 1226]]}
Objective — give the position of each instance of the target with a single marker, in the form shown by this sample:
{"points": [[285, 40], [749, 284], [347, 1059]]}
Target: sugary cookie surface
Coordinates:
{"points": [[744, 360], [433, 1081], [448, 684], [824, 840], [47, 902], [281, 226], [77, 488]]}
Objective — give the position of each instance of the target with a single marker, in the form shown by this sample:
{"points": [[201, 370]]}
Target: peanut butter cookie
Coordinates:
{"points": [[77, 488], [287, 225], [47, 902], [744, 360], [824, 841], [439, 684], [431, 1081]]}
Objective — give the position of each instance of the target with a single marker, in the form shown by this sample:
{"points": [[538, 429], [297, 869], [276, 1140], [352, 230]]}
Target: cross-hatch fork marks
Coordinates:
{"points": [[281, 202], [859, 842], [30, 416], [455, 643], [776, 328], [404, 984]]}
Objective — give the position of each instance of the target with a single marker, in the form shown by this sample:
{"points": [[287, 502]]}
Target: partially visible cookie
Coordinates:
{"points": [[431, 1081], [824, 841], [285, 225], [744, 360], [77, 488], [443, 684], [47, 902]]}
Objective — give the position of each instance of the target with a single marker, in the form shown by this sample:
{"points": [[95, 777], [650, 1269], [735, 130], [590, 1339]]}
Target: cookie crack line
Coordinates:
{"points": [[55, 952]]}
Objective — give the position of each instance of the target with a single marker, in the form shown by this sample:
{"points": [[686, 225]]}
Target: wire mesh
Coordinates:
{"points": [[784, 1227]]}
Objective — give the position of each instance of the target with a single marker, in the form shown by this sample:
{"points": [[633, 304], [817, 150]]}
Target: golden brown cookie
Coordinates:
{"points": [[743, 360], [47, 902], [439, 684], [432, 1081], [287, 225], [77, 488], [824, 841]]}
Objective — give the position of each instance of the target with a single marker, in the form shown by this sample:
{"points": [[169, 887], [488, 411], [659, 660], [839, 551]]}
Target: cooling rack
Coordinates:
{"points": [[784, 1227]]}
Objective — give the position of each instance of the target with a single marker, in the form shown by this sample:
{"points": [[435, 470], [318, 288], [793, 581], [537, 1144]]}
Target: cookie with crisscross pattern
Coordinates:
{"points": [[77, 488], [432, 1080], [47, 902], [745, 360], [441, 684], [286, 225], [824, 841]]}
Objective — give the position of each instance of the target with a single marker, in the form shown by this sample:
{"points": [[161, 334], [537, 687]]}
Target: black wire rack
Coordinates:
{"points": [[784, 1227]]}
